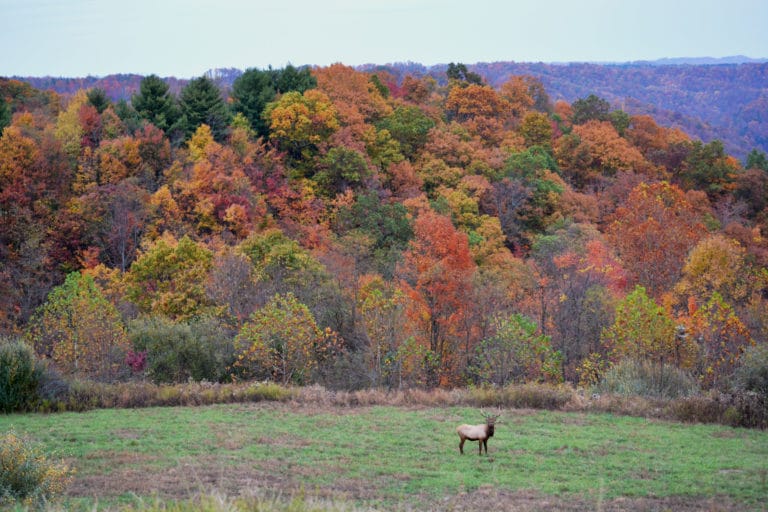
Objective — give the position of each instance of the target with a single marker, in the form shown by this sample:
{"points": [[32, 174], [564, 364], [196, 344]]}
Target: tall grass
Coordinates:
{"points": [[746, 409]]}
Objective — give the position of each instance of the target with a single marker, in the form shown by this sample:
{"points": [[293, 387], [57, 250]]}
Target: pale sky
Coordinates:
{"points": [[184, 38]]}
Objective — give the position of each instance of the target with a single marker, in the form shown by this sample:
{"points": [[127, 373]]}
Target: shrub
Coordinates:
{"points": [[53, 387], [28, 477], [19, 376], [178, 352], [631, 377], [533, 396], [537, 396], [696, 409], [752, 375]]}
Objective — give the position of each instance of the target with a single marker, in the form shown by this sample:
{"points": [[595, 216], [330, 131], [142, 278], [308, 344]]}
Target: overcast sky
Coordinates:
{"points": [[185, 38]]}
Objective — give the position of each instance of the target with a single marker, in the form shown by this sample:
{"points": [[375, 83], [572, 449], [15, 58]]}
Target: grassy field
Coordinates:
{"points": [[402, 458]]}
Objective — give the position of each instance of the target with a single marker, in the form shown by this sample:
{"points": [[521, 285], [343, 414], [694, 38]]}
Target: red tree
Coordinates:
{"points": [[437, 271]]}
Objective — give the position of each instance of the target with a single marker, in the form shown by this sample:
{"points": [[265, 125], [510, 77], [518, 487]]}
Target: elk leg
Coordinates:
{"points": [[461, 445]]}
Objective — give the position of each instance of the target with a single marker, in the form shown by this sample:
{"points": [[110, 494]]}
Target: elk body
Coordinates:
{"points": [[479, 433]]}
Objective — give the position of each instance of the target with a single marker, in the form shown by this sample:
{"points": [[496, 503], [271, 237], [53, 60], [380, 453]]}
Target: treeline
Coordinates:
{"points": [[719, 100], [360, 230]]}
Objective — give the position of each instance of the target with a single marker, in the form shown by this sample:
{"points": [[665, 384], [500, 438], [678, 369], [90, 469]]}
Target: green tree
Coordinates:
{"points": [[254, 89], [459, 73], [409, 126], [709, 168], [756, 159], [388, 224], [340, 169], [5, 114], [80, 330], [516, 353], [291, 78], [155, 103], [98, 99], [179, 351], [169, 279], [201, 103], [643, 330], [620, 120], [591, 107], [282, 341], [128, 115], [19, 375], [251, 92], [526, 164]]}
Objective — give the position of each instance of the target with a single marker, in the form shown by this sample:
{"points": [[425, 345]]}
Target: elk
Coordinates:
{"points": [[479, 433]]}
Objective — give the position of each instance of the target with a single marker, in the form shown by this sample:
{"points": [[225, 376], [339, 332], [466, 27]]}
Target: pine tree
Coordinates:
{"points": [[201, 103], [155, 103]]}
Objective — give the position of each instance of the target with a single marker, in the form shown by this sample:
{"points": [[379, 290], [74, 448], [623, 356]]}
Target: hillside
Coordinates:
{"points": [[725, 99], [357, 229]]}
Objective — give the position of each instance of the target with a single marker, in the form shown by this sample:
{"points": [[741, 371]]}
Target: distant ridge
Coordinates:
{"points": [[709, 98], [701, 61]]}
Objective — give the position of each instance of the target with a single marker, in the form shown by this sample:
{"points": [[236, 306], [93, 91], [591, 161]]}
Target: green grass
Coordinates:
{"points": [[389, 456]]}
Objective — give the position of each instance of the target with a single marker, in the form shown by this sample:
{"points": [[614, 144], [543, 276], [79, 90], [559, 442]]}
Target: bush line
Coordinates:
{"points": [[743, 409]]}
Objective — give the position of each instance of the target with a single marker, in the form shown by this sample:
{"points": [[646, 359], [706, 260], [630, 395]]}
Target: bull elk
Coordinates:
{"points": [[479, 433]]}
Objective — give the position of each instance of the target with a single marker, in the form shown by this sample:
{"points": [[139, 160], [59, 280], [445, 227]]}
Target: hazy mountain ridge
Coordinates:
{"points": [[709, 98]]}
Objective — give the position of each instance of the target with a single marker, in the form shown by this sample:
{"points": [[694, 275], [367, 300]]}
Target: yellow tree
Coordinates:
{"points": [[282, 341], [643, 330], [382, 308], [68, 129], [300, 123], [722, 336], [715, 264], [536, 129], [80, 330], [168, 278]]}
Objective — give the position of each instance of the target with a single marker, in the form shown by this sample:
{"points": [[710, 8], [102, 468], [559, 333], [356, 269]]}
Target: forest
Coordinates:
{"points": [[720, 99], [360, 229]]}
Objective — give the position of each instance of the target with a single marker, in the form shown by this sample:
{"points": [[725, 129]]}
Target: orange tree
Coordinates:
{"points": [[652, 233], [436, 272]]}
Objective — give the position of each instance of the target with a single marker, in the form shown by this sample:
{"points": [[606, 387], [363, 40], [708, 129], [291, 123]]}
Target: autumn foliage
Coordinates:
{"points": [[357, 229]]}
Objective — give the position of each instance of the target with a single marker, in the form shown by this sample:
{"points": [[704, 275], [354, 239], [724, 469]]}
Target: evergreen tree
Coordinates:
{"points": [[155, 103], [590, 108], [5, 114], [251, 92], [460, 73], [255, 88], [201, 103], [97, 97], [128, 116], [292, 78], [756, 159]]}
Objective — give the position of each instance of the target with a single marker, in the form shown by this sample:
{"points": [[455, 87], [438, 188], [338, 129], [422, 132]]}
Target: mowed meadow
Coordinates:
{"points": [[402, 458]]}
